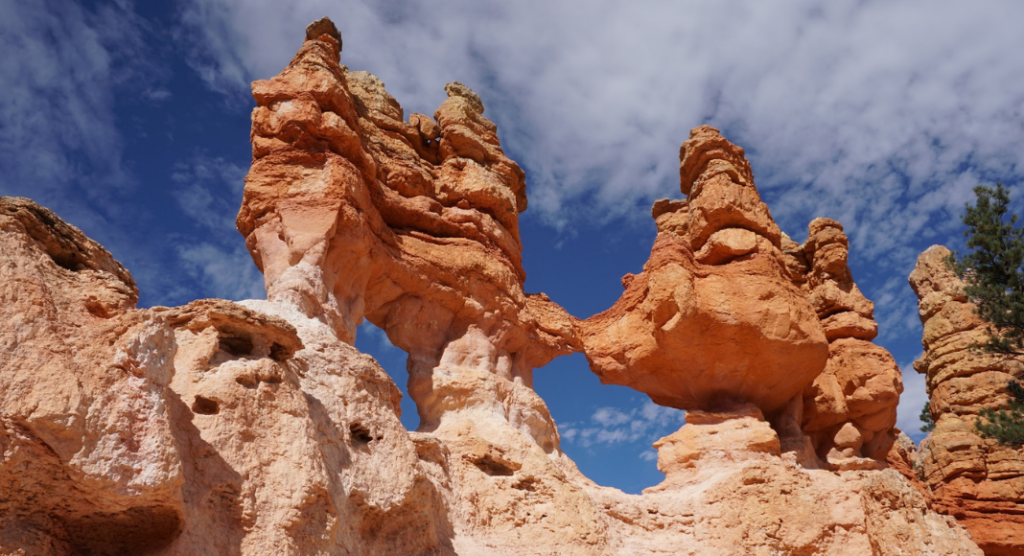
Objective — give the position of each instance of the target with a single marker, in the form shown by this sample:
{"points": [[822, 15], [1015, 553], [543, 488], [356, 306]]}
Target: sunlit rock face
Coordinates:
{"points": [[715, 318], [850, 408], [256, 427], [352, 212], [204, 429], [976, 480]]}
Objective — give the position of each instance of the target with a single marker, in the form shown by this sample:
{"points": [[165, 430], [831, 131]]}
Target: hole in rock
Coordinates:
{"points": [[607, 430], [360, 434], [493, 467], [133, 531], [205, 406], [583, 273], [236, 344], [278, 352], [69, 261], [372, 341]]}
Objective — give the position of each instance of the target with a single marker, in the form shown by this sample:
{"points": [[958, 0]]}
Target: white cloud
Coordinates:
{"points": [[610, 417], [912, 400], [879, 114], [209, 190], [380, 338], [610, 425], [157, 94], [223, 272], [59, 143]]}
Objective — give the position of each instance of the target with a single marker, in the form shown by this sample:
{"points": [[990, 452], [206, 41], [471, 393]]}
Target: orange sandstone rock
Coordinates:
{"points": [[978, 481], [204, 429], [850, 409], [353, 213], [255, 427], [715, 317]]}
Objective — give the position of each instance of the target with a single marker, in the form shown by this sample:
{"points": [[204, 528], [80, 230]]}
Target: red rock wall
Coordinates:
{"points": [[976, 480]]}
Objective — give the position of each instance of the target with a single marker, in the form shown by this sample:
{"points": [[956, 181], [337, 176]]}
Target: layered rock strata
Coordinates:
{"points": [[850, 408], [784, 326], [716, 267], [256, 427], [977, 480], [247, 428], [351, 212]]}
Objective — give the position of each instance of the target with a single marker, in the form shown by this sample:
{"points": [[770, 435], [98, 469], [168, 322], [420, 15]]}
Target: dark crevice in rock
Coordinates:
{"points": [[134, 531], [238, 345], [205, 406], [493, 467]]}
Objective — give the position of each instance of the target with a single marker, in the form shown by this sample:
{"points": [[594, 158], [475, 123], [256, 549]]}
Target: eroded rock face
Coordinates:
{"points": [[352, 212], [730, 310], [715, 318], [729, 489], [85, 422], [850, 408], [204, 429], [255, 427], [977, 480]]}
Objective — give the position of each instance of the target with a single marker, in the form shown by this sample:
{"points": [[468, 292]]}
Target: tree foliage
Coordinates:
{"points": [[992, 269], [994, 281], [1005, 425], [926, 418]]}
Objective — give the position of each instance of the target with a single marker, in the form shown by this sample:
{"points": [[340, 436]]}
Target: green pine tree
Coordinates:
{"points": [[926, 418], [994, 281], [1005, 425]]}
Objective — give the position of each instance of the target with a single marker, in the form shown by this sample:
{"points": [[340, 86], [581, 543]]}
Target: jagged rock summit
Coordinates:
{"points": [[716, 267], [256, 427]]}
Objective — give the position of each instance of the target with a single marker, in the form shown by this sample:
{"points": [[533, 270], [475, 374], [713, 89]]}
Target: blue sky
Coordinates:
{"points": [[131, 120]]}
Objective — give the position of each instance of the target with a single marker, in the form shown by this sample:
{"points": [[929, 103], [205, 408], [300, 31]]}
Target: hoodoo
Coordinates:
{"points": [[975, 479], [256, 427], [715, 318]]}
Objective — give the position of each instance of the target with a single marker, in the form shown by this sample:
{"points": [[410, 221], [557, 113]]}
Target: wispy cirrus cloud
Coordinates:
{"points": [[221, 271], [208, 190], [59, 141]]}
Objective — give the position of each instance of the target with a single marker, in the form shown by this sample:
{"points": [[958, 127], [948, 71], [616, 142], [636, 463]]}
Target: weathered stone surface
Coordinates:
{"points": [[976, 480], [351, 212], [85, 424], [729, 492], [850, 408], [714, 318], [204, 429], [256, 427], [226, 428]]}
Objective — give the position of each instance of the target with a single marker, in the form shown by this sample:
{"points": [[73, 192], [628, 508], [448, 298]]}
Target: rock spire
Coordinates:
{"points": [[241, 428], [976, 480]]}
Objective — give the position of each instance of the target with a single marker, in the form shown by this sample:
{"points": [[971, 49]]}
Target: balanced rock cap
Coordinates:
{"points": [[323, 26]]}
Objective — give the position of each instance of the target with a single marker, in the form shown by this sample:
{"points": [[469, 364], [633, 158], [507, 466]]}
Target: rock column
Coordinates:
{"points": [[978, 481]]}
